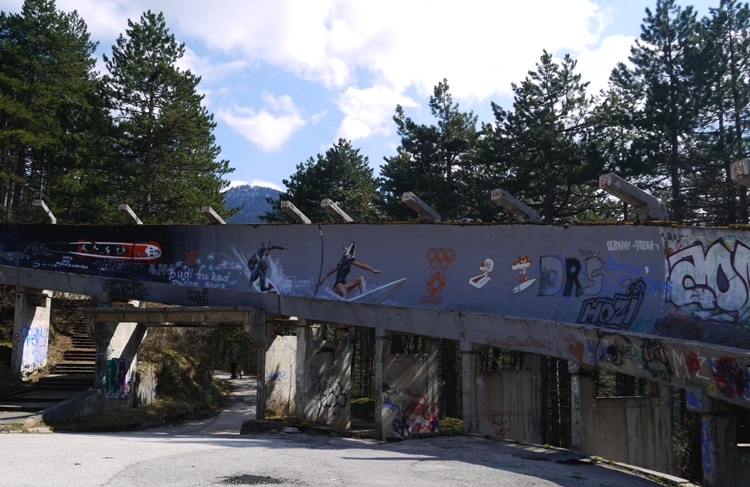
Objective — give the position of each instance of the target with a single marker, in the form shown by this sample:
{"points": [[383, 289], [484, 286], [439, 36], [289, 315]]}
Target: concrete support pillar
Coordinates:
{"points": [[30, 331], [719, 450], [538, 364], [719, 453], [469, 387], [260, 388], [333, 390], [261, 330], [582, 395], [433, 370], [381, 342], [116, 360], [304, 345]]}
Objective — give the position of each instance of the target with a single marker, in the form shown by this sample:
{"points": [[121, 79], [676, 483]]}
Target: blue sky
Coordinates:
{"points": [[285, 79]]}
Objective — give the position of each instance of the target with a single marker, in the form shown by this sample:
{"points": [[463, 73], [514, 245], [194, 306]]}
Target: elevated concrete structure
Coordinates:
{"points": [[661, 303]]}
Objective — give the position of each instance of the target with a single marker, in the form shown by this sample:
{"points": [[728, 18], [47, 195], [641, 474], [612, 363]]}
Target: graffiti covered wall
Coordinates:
{"points": [[30, 333], [682, 283], [328, 382], [409, 393]]}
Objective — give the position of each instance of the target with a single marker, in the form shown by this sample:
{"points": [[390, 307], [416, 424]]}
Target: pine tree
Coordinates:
{"points": [[342, 174], [723, 80], [665, 113], [168, 166], [433, 161], [50, 110], [545, 150]]}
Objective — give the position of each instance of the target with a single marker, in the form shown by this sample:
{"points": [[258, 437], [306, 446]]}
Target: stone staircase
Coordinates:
{"points": [[80, 359], [74, 374]]}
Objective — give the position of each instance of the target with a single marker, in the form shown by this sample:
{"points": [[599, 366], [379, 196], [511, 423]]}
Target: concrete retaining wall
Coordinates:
{"points": [[632, 430], [84, 404], [509, 406]]}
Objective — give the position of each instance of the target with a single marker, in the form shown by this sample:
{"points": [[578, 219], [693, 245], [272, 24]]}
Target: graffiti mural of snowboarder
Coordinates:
{"points": [[342, 270], [258, 265]]}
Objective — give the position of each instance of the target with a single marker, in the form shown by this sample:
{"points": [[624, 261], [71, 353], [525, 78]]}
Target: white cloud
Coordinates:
{"points": [[205, 67], [268, 128], [106, 20], [368, 112], [290, 34], [480, 46], [596, 65], [381, 49]]}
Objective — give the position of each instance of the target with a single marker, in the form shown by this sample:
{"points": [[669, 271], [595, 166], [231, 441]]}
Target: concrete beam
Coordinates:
{"points": [[646, 206], [335, 212], [523, 213], [294, 212], [425, 211], [130, 214], [212, 216], [252, 320], [44, 210], [193, 316]]}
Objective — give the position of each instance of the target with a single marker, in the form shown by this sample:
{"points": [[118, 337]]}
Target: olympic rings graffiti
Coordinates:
{"points": [[440, 258]]}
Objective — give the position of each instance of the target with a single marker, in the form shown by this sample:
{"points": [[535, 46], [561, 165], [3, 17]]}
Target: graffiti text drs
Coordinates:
{"points": [[571, 276]]}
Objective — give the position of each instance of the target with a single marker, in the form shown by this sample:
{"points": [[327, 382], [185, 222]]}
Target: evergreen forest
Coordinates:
{"points": [[672, 120]]}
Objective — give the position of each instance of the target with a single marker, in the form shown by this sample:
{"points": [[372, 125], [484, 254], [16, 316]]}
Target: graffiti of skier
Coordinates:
{"points": [[342, 270], [258, 266]]}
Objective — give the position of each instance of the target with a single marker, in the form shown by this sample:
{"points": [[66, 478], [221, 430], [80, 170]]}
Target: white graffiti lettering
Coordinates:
{"points": [[618, 245], [715, 278]]}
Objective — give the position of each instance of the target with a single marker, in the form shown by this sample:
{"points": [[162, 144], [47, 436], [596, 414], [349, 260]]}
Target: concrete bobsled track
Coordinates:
{"points": [[665, 303], [671, 282]]}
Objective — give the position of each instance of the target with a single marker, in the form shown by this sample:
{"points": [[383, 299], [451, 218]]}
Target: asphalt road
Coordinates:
{"points": [[213, 453]]}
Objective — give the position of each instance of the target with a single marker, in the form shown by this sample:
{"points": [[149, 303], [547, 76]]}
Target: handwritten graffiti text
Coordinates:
{"points": [[713, 278]]}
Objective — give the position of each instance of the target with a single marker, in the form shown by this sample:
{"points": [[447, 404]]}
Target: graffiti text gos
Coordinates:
{"points": [[714, 279]]}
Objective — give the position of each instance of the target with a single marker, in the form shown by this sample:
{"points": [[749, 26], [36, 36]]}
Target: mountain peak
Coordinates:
{"points": [[251, 200]]}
